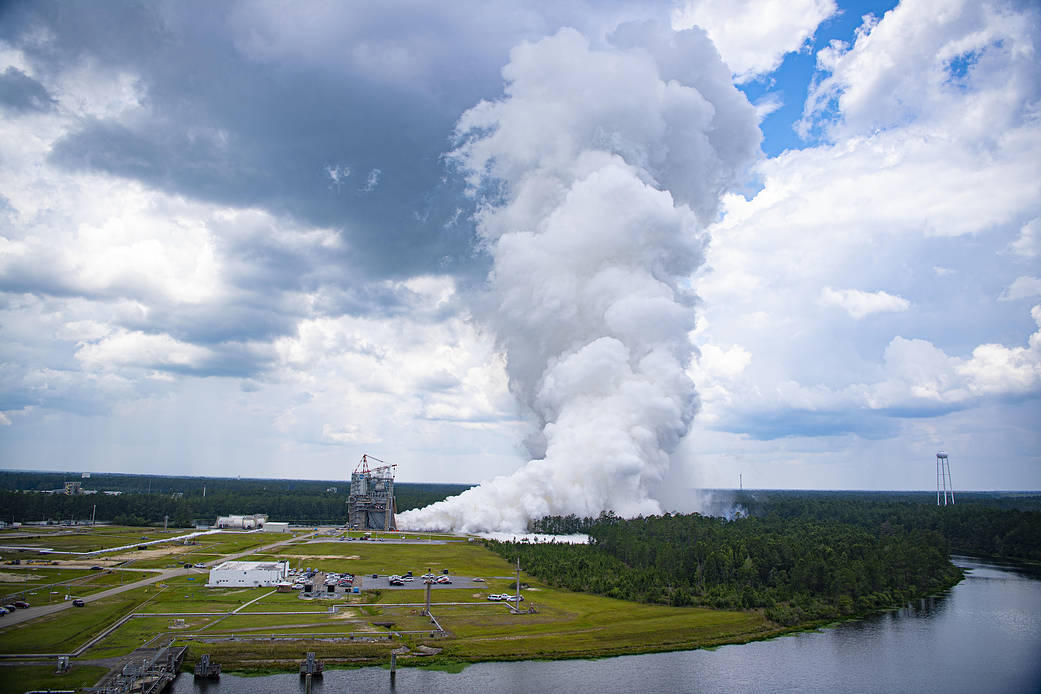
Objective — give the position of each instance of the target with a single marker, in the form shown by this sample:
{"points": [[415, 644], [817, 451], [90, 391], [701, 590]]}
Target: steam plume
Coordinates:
{"points": [[605, 162]]}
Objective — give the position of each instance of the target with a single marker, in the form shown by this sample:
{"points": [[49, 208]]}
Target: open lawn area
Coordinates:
{"points": [[369, 625], [65, 631], [45, 585], [15, 679], [83, 538], [460, 558]]}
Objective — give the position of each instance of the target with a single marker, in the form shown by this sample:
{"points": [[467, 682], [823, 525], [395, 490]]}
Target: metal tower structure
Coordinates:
{"points": [[370, 503], [943, 479]]}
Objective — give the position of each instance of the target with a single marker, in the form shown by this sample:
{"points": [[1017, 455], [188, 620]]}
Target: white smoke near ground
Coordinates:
{"points": [[605, 164]]}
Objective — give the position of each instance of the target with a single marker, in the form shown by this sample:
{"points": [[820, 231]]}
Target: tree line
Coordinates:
{"points": [[148, 499], [998, 524], [797, 569]]}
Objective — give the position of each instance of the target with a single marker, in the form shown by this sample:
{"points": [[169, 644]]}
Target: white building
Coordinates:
{"points": [[253, 522], [272, 527], [247, 573]]}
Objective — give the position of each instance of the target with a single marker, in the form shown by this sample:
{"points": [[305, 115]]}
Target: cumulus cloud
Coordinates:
{"points": [[1028, 243], [968, 67], [142, 350], [606, 158], [883, 198], [920, 379], [860, 303], [1022, 288], [754, 36]]}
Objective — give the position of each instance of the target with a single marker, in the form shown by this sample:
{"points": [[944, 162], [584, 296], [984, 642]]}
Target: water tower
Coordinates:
{"points": [[943, 479]]}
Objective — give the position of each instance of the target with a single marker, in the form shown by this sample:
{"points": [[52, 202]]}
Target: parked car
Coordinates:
{"points": [[3, 611], [444, 579], [10, 607], [375, 575], [78, 603], [21, 603], [495, 597], [95, 568], [479, 580], [513, 598]]}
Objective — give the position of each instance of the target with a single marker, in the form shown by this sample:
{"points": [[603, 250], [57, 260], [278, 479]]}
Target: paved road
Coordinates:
{"points": [[20, 616]]}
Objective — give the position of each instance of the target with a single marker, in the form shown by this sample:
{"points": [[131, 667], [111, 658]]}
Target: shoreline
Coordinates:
{"points": [[457, 662]]}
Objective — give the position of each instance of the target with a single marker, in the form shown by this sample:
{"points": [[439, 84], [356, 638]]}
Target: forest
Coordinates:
{"points": [[997, 524], [147, 499], [798, 569], [800, 555]]}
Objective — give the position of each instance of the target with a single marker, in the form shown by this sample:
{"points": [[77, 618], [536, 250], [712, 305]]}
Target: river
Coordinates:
{"points": [[983, 636]]}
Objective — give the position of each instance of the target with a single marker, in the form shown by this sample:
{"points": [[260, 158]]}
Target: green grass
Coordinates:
{"points": [[65, 631], [89, 539], [23, 678], [566, 624], [180, 597], [460, 558], [75, 582]]}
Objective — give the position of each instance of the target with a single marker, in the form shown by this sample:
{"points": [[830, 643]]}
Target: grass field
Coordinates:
{"points": [[84, 539], [48, 585], [65, 631], [16, 679], [365, 627]]}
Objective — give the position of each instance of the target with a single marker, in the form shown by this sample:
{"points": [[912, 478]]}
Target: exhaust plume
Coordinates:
{"points": [[600, 167]]}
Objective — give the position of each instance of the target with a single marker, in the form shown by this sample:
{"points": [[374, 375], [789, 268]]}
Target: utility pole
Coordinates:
{"points": [[517, 604], [166, 519], [740, 483], [92, 514]]}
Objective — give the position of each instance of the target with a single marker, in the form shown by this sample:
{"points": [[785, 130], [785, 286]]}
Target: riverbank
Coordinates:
{"points": [[961, 641], [260, 631]]}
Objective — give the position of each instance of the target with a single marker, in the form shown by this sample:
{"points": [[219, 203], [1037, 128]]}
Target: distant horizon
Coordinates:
{"points": [[78, 476]]}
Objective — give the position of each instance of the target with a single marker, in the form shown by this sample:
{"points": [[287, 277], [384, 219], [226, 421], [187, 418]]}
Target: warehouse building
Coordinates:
{"points": [[272, 527], [248, 574]]}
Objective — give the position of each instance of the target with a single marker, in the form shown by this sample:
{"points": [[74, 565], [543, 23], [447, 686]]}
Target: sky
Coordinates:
{"points": [[260, 239]]}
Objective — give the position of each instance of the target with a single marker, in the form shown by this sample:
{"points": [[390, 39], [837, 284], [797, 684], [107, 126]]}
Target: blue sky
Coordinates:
{"points": [[245, 242], [790, 82]]}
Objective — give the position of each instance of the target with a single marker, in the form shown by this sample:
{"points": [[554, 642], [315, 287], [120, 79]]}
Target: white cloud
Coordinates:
{"points": [[916, 376], [767, 104], [963, 66], [366, 377], [877, 206], [137, 349], [1028, 243], [860, 303], [753, 36], [1022, 288]]}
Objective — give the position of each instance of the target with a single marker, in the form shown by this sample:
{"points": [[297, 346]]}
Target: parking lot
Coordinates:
{"points": [[381, 583]]}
